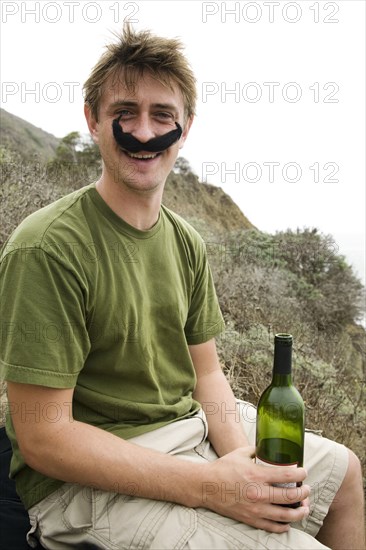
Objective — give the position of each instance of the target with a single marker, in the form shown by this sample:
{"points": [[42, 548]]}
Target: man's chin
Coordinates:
{"points": [[141, 186]]}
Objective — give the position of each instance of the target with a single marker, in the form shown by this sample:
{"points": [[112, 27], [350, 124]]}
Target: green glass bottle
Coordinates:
{"points": [[280, 415]]}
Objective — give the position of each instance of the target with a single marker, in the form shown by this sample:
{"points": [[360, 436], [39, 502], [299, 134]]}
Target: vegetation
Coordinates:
{"points": [[18, 134], [291, 281]]}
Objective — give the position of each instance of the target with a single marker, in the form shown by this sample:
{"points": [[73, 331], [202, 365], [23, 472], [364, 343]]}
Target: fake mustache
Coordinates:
{"points": [[154, 145]]}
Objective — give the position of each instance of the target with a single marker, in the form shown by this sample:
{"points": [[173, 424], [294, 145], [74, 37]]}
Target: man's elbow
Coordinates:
{"points": [[38, 447]]}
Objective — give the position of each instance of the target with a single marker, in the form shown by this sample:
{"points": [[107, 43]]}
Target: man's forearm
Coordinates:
{"points": [[83, 454], [223, 414]]}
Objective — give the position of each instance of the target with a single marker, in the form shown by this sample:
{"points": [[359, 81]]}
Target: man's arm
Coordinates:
{"points": [[76, 452], [215, 395]]}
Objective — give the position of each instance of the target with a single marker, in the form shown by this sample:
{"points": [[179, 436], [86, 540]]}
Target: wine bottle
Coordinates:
{"points": [[280, 415]]}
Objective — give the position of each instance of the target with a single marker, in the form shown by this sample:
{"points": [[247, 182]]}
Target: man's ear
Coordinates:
{"points": [[91, 122], [185, 132]]}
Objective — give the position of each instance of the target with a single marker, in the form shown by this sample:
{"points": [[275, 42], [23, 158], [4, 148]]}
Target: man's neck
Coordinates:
{"points": [[140, 209]]}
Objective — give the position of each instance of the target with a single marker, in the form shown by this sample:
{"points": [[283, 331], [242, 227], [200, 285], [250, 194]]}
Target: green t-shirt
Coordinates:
{"points": [[91, 303]]}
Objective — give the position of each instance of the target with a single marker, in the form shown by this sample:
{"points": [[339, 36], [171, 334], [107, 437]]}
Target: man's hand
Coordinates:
{"points": [[238, 488]]}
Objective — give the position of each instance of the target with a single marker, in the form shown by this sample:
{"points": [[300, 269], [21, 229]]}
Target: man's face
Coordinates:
{"points": [[148, 109]]}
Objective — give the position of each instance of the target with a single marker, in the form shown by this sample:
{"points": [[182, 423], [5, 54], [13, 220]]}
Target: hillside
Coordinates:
{"points": [[205, 206], [21, 136]]}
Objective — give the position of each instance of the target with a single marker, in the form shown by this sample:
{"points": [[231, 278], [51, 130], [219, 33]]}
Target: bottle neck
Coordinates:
{"points": [[282, 366], [281, 379]]}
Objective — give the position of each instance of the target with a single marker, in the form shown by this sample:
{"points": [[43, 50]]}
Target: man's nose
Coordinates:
{"points": [[142, 129]]}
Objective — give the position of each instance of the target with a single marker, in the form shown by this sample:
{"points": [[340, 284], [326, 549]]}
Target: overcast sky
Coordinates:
{"points": [[280, 124]]}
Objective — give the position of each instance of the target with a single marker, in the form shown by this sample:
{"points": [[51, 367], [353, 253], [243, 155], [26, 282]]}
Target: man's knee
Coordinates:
{"points": [[354, 471], [351, 489]]}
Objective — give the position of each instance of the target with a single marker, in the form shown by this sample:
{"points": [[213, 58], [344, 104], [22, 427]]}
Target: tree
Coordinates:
{"points": [[75, 149], [66, 151], [182, 166]]}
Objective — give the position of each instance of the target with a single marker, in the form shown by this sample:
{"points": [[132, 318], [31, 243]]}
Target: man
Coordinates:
{"points": [[110, 354]]}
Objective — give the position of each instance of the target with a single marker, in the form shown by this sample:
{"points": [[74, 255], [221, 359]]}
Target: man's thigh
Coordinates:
{"points": [[81, 516]]}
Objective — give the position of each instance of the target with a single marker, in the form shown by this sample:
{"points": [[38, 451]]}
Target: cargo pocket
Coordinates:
{"points": [[77, 504], [141, 524], [63, 519], [174, 531]]}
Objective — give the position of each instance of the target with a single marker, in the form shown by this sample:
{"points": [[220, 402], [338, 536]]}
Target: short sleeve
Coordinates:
{"points": [[44, 340], [204, 318]]}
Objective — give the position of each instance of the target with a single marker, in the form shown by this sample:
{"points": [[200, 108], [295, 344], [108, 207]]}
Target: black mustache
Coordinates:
{"points": [[154, 145]]}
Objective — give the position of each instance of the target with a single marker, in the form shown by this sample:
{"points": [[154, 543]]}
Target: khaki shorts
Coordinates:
{"points": [[85, 517]]}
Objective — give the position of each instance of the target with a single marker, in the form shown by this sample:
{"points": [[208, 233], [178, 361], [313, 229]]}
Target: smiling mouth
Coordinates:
{"points": [[141, 157]]}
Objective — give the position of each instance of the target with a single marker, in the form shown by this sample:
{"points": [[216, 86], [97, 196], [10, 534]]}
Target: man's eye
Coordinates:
{"points": [[124, 113], [165, 116]]}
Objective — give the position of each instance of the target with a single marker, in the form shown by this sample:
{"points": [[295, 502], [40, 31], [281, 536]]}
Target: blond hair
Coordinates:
{"points": [[136, 53]]}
